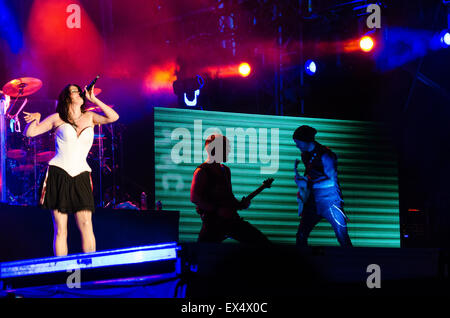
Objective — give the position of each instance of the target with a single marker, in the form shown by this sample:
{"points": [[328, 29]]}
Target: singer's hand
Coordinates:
{"points": [[90, 94], [29, 117]]}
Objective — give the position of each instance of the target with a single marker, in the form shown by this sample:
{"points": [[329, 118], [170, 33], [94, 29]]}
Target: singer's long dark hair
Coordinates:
{"points": [[64, 101]]}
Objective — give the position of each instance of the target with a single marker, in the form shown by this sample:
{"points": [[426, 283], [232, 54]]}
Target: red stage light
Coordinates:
{"points": [[63, 51]]}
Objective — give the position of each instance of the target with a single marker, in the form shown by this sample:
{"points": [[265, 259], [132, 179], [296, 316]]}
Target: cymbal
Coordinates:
{"points": [[23, 168], [45, 156], [96, 108], [97, 91], [23, 86], [16, 154]]}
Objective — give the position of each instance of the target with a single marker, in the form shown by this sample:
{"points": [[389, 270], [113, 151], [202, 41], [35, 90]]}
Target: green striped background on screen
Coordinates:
{"points": [[367, 169]]}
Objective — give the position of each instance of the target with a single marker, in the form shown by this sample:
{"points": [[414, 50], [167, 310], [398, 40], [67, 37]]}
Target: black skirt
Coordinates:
{"points": [[67, 194]]}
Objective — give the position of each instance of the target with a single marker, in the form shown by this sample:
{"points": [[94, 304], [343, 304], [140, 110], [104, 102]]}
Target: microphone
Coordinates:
{"points": [[88, 88]]}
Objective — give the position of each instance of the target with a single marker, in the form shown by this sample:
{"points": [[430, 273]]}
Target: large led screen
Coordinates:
{"points": [[261, 148]]}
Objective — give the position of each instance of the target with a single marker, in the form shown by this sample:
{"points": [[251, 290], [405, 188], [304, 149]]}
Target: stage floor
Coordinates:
{"points": [[192, 270]]}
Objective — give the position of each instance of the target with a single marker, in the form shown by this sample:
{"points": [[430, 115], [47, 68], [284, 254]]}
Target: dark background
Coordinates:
{"points": [[403, 83]]}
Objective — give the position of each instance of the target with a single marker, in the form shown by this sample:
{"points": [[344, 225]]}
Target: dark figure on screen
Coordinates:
{"points": [[67, 187], [319, 193], [212, 193]]}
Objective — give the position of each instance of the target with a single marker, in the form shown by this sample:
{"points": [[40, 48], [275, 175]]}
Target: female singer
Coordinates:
{"points": [[67, 187]]}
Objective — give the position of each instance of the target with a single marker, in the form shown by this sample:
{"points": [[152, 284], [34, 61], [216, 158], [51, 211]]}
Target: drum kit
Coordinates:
{"points": [[24, 160]]}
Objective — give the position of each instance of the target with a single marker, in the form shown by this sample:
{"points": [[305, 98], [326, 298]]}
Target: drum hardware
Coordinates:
{"points": [[100, 160], [14, 123], [23, 168], [45, 156], [20, 87], [23, 86], [16, 154], [94, 108]]}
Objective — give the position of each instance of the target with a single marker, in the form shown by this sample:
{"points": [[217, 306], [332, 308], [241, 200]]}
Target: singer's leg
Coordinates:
{"points": [[60, 233], [84, 222]]}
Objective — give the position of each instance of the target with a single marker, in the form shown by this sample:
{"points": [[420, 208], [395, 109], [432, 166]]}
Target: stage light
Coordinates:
{"points": [[366, 44], [159, 78], [244, 69], [126, 256], [310, 67], [9, 28], [189, 89], [445, 38], [55, 45]]}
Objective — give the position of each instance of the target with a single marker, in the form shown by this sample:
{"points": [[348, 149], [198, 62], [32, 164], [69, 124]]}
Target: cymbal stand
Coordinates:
{"points": [[15, 118], [3, 106], [113, 198], [22, 87], [100, 162], [113, 155], [36, 187]]}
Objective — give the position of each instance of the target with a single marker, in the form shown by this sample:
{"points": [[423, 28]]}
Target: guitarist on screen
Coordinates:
{"points": [[319, 193], [217, 206]]}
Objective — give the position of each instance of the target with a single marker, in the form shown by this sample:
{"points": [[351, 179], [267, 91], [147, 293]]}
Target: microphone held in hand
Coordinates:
{"points": [[89, 87]]}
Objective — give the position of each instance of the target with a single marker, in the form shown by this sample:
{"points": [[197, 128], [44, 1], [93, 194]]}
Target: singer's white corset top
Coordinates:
{"points": [[72, 149]]}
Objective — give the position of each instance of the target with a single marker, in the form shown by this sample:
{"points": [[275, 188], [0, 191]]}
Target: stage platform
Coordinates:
{"points": [[220, 271], [145, 271], [285, 271], [139, 255], [27, 232]]}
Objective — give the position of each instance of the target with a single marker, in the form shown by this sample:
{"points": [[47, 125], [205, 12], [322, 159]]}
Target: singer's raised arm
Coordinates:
{"points": [[110, 115]]}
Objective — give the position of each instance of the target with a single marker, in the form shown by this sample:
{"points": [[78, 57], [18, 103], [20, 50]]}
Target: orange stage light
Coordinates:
{"points": [[366, 44], [226, 71], [244, 69], [160, 78]]}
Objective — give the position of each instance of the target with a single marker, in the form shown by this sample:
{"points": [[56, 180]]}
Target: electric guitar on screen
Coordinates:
{"points": [[265, 185], [227, 212]]}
